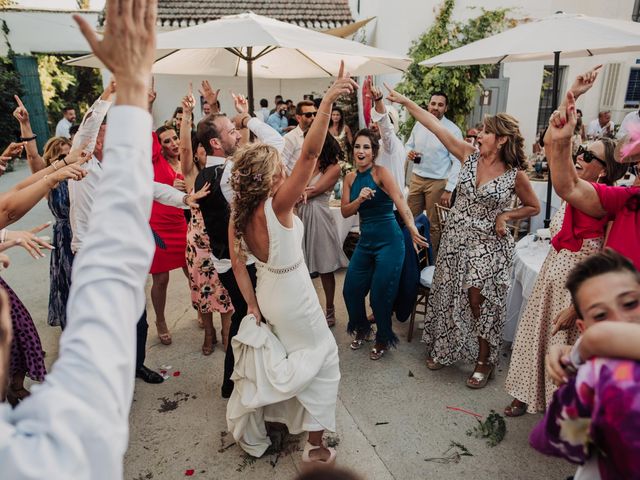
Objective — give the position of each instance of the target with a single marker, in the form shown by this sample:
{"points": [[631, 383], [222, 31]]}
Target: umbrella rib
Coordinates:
{"points": [[590, 52], [500, 61], [314, 62], [265, 51]]}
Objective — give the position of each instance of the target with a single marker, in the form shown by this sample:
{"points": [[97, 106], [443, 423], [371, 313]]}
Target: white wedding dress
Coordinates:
{"points": [[287, 370]]}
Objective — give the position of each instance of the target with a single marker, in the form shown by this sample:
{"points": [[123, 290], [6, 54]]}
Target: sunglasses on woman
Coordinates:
{"points": [[588, 156]]}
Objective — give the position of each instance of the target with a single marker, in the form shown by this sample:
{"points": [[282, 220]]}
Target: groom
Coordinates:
{"points": [[220, 138]]}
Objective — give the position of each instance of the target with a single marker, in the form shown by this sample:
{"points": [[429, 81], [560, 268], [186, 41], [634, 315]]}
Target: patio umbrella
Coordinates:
{"points": [[561, 34], [256, 46]]}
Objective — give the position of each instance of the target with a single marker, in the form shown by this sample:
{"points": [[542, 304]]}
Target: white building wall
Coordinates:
{"points": [[400, 22]]}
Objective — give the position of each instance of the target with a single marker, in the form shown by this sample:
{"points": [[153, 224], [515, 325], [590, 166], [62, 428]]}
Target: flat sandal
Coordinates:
{"points": [[357, 344], [377, 353]]}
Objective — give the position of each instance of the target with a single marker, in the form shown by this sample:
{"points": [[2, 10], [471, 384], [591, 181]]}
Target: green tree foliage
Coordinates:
{"points": [[461, 84], [63, 85], [9, 85]]}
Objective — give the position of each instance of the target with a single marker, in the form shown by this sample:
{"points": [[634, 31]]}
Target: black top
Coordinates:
{"points": [[215, 210]]}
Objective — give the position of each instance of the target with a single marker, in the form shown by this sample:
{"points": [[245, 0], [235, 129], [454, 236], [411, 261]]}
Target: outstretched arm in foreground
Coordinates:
{"points": [[76, 424]]}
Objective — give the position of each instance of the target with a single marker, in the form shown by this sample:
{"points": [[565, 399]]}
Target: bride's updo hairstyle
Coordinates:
{"points": [[512, 152], [254, 167]]}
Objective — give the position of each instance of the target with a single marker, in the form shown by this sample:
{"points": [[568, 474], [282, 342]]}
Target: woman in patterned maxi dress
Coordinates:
{"points": [[467, 303]]}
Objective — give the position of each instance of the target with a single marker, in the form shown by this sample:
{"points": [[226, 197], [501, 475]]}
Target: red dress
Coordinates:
{"points": [[168, 223]]}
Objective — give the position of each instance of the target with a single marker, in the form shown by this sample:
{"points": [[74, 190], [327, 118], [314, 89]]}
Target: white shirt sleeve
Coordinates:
{"points": [[266, 134], [225, 187], [75, 424], [62, 128], [289, 151], [90, 126], [167, 195], [456, 165]]}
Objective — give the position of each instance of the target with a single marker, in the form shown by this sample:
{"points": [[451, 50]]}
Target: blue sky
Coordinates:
{"points": [[62, 4]]}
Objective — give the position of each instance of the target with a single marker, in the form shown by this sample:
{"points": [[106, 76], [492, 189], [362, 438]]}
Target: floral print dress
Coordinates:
{"points": [[471, 254], [208, 295], [595, 418]]}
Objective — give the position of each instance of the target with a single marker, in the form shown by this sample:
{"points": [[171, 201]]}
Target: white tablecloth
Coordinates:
{"points": [[527, 262], [540, 187], [344, 224]]}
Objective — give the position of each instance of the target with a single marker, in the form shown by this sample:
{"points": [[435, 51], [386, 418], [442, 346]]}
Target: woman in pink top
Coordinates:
{"points": [[576, 236]]}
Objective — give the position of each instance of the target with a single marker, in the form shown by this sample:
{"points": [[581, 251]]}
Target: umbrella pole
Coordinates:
{"points": [[250, 79], [554, 105]]}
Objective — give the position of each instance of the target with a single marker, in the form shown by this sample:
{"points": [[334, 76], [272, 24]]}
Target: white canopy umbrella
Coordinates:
{"points": [[569, 35], [256, 46]]}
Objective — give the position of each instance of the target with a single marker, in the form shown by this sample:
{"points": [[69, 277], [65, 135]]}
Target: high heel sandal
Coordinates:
{"points": [[432, 364], [516, 409], [479, 380], [165, 337], [377, 353], [331, 316], [308, 448]]}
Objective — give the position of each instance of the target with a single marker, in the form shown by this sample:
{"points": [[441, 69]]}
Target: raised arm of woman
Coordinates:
{"points": [[391, 188], [293, 187], [187, 166], [457, 146], [36, 162]]}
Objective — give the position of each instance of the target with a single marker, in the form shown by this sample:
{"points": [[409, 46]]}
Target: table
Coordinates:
{"points": [[527, 262], [540, 187], [344, 224]]}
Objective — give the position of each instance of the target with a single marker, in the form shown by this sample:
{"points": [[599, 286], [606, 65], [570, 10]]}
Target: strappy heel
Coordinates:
{"points": [[331, 316], [432, 364], [479, 380], [308, 448]]}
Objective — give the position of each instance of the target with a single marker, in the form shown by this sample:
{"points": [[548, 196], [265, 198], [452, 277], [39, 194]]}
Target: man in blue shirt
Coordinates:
{"points": [[435, 170], [278, 120]]}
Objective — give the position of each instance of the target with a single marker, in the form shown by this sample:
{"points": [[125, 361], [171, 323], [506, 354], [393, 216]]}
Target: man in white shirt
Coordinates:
{"points": [[435, 169], [63, 126], [631, 121], [75, 425], [601, 126], [305, 113], [220, 138]]}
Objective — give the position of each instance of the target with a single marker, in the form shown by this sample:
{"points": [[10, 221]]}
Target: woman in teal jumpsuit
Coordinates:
{"points": [[376, 263]]}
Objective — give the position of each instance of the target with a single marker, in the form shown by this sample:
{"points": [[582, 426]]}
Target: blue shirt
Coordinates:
{"points": [[278, 123], [437, 163]]}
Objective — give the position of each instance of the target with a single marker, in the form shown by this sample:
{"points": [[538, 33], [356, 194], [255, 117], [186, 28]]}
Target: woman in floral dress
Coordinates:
{"points": [[207, 293], [467, 303]]}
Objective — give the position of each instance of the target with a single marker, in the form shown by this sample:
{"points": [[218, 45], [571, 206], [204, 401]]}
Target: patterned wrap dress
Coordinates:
{"points": [[471, 254], [61, 256], [208, 295]]}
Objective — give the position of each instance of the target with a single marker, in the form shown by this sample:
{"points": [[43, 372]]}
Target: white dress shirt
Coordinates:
{"points": [[292, 147], [437, 162], [75, 425], [392, 154], [595, 130], [62, 128]]}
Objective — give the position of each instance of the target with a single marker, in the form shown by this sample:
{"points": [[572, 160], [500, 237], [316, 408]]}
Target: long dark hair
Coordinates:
{"points": [[341, 122], [331, 153]]}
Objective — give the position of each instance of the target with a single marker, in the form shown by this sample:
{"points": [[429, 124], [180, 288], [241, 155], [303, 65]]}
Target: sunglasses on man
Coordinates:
{"points": [[309, 114], [588, 156]]}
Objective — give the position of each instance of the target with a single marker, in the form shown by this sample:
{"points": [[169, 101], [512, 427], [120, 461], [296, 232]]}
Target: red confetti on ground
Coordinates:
{"points": [[163, 372], [188, 473], [477, 415], [176, 374]]}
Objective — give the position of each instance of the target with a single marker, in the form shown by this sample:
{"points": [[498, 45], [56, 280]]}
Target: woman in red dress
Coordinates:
{"points": [[168, 224]]}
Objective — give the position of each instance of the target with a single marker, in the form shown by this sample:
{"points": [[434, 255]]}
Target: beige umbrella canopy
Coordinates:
{"points": [[256, 46], [561, 34]]}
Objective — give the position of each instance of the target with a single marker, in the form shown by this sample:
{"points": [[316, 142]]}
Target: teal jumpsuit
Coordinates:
{"points": [[376, 263]]}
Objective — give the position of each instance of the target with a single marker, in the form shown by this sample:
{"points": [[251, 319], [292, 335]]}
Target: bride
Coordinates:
{"points": [[286, 359]]}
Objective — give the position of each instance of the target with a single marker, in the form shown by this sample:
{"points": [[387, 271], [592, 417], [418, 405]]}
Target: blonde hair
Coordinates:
{"points": [[53, 148], [504, 125], [254, 167]]}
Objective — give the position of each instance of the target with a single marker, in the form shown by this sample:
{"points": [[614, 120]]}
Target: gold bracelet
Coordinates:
{"points": [[324, 113], [53, 164]]}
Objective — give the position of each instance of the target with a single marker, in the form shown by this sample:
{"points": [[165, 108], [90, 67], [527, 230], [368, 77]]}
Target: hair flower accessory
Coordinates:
{"points": [[257, 177]]}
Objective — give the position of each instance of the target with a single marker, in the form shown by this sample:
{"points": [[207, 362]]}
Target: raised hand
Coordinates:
{"points": [[20, 113], [29, 241], [192, 199], [373, 92], [14, 150], [240, 103], [395, 97], [343, 85], [188, 102], [209, 94], [127, 47], [110, 90], [151, 94], [563, 121], [585, 81]]}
